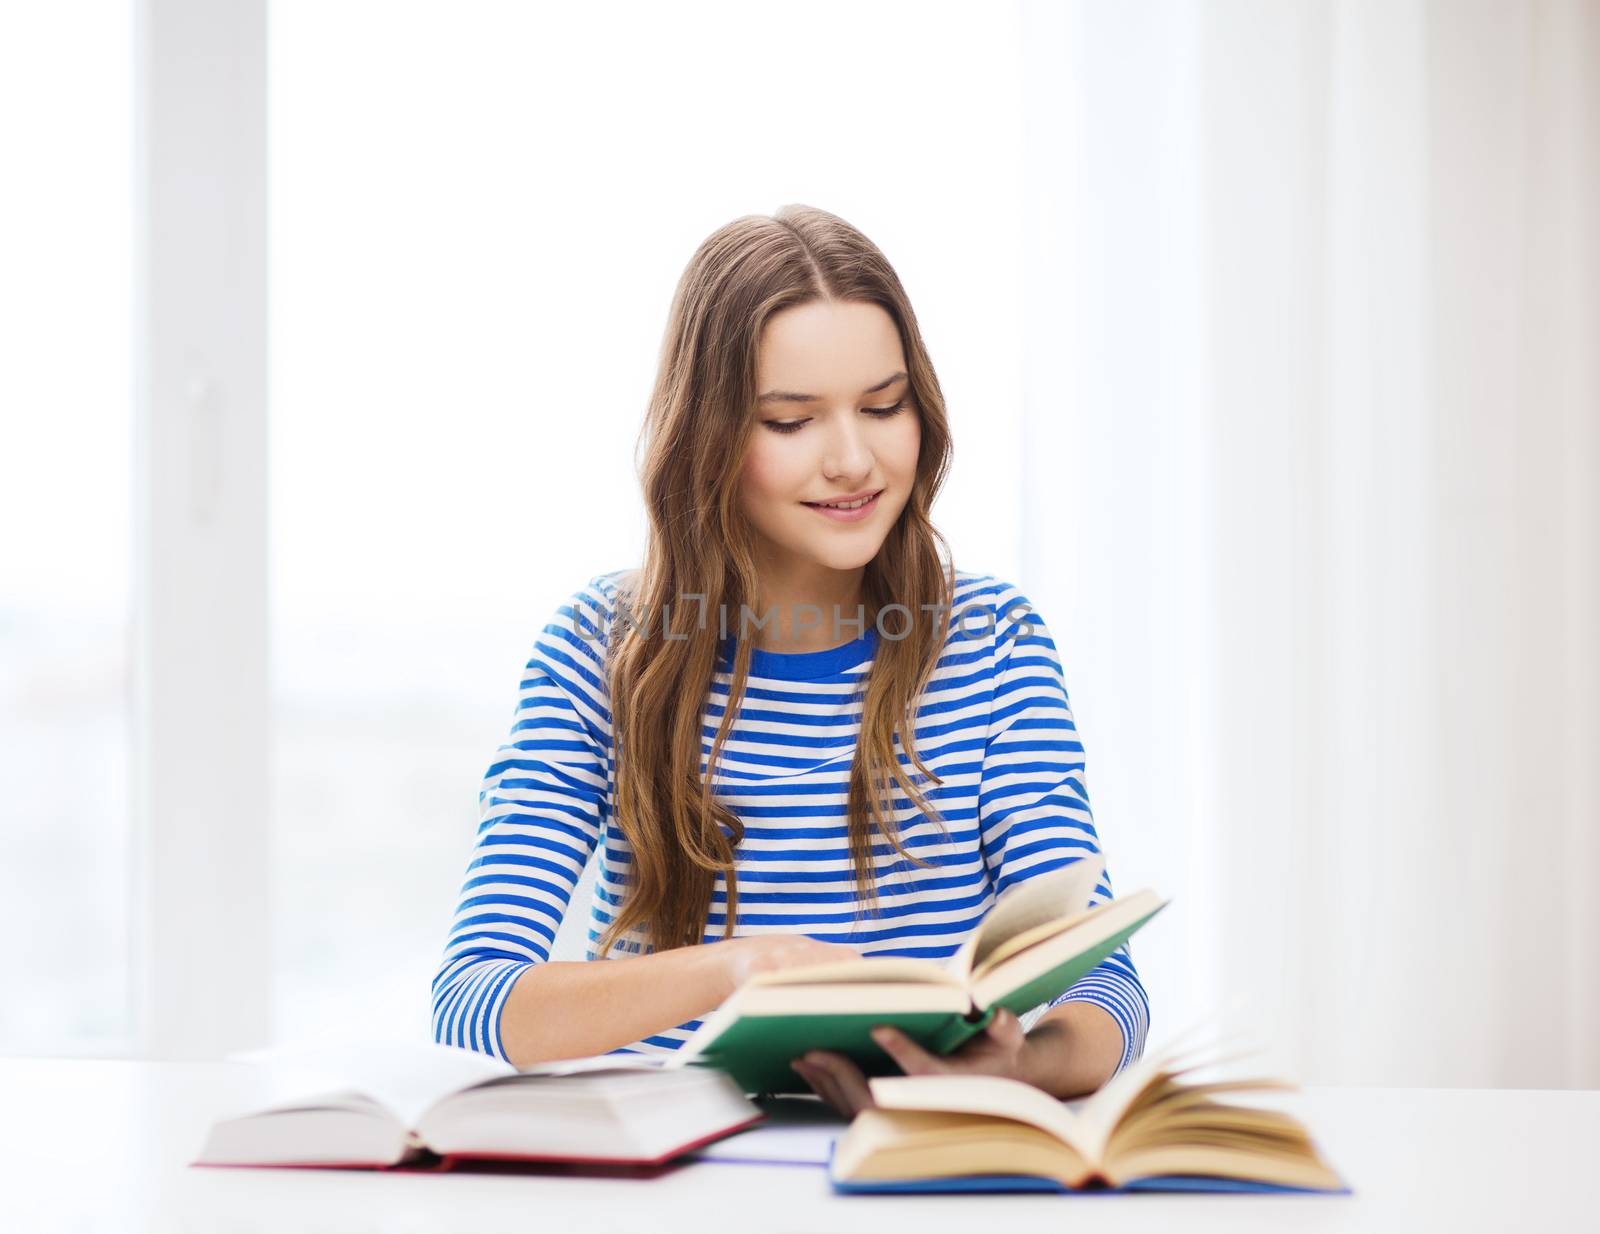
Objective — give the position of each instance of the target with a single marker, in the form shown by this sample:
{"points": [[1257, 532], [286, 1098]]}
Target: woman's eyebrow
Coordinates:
{"points": [[785, 396]]}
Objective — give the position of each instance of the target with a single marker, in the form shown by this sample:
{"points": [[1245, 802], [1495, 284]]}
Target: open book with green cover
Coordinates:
{"points": [[1149, 1129], [1038, 939]]}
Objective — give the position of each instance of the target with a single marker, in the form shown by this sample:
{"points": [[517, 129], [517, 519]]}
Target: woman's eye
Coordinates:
{"points": [[794, 426]]}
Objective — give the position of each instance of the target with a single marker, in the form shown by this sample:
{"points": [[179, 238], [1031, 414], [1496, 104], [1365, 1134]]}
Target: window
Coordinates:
{"points": [[473, 255], [65, 539]]}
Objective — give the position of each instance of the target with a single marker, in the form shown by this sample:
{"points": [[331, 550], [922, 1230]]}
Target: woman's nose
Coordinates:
{"points": [[846, 454]]}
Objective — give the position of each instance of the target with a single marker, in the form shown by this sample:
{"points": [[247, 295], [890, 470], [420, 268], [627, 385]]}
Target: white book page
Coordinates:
{"points": [[1029, 905], [1182, 1052], [798, 1131], [988, 1095], [998, 980], [402, 1076], [1085, 1124], [869, 970], [601, 1062]]}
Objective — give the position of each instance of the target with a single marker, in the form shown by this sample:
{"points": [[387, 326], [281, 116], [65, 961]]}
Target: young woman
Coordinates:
{"points": [[892, 740]]}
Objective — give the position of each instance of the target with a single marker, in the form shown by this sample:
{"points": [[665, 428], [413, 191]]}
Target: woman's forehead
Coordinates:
{"points": [[828, 349]]}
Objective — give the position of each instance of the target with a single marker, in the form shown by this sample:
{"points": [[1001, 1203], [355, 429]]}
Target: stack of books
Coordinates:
{"points": [[1155, 1126]]}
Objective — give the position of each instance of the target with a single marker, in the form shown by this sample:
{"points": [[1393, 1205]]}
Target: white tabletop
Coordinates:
{"points": [[104, 1145]]}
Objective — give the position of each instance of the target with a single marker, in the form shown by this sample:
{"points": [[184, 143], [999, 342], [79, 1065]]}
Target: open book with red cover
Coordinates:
{"points": [[422, 1106]]}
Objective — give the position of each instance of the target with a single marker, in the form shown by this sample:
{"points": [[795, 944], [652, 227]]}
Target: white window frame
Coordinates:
{"points": [[200, 937]]}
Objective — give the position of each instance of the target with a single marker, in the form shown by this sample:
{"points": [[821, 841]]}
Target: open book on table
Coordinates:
{"points": [[1037, 940], [423, 1106], [1148, 1129]]}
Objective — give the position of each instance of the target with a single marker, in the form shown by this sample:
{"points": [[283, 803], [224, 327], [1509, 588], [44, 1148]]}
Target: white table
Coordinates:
{"points": [[104, 1145]]}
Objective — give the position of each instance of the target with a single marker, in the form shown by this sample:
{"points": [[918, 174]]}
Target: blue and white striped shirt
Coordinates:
{"points": [[993, 724]]}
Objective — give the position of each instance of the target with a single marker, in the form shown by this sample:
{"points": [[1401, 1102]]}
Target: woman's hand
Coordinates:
{"points": [[998, 1050], [743, 958]]}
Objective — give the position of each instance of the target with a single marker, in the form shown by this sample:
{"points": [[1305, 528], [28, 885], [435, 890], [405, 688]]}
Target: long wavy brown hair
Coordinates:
{"points": [[701, 416]]}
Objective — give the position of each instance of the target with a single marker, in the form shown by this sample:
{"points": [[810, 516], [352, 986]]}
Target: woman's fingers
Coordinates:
{"points": [[1006, 1029], [821, 1083], [992, 1052], [849, 1082], [841, 1083], [913, 1059], [834, 1094], [836, 1079]]}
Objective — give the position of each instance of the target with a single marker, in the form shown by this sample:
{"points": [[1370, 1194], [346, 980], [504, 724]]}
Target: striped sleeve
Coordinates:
{"points": [[541, 808], [1034, 807]]}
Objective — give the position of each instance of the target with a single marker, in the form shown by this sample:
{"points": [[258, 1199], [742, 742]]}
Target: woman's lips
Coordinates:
{"points": [[839, 515]]}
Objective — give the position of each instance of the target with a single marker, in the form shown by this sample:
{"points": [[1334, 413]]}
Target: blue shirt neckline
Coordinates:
{"points": [[804, 665]]}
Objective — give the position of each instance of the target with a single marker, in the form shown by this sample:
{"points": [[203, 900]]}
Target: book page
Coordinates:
{"points": [[852, 998], [911, 1145], [1065, 953], [1018, 943], [987, 1095], [405, 1078], [1030, 906], [599, 1062], [1185, 1051], [869, 971]]}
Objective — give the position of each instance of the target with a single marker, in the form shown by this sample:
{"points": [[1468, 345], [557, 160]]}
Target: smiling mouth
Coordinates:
{"points": [[854, 504]]}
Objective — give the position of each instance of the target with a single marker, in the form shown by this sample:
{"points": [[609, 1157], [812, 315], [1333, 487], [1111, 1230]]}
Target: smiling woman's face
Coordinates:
{"points": [[836, 428]]}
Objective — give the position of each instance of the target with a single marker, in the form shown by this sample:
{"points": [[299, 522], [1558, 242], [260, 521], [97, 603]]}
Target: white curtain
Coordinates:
{"points": [[1312, 458]]}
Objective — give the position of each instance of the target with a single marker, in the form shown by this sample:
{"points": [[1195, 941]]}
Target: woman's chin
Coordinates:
{"points": [[840, 549], [845, 562]]}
